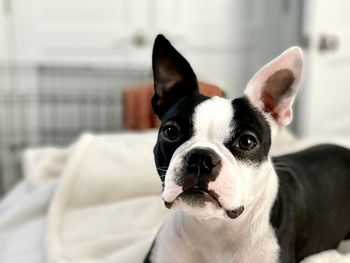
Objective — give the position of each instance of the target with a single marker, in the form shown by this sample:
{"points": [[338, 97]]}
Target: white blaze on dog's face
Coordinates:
{"points": [[211, 152]]}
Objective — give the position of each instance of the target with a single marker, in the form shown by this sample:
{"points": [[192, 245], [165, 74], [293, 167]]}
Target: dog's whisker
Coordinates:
{"points": [[162, 169], [280, 166], [285, 169], [279, 163]]}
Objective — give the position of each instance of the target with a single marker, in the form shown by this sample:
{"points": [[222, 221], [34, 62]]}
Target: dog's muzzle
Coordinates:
{"points": [[200, 167]]}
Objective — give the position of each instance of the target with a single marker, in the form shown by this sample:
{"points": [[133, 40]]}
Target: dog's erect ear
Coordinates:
{"points": [[274, 87], [173, 76]]}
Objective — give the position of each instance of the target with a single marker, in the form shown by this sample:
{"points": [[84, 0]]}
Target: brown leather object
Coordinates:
{"points": [[137, 109]]}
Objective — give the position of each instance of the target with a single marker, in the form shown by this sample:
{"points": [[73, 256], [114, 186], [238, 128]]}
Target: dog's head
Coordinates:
{"points": [[211, 152]]}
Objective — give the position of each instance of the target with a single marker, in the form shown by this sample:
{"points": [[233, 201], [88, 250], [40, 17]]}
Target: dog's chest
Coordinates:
{"points": [[195, 244]]}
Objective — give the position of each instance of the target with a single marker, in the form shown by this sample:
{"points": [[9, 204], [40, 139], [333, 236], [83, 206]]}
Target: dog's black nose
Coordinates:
{"points": [[201, 160]]}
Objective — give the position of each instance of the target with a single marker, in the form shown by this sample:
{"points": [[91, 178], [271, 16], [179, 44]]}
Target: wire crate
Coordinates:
{"points": [[53, 104]]}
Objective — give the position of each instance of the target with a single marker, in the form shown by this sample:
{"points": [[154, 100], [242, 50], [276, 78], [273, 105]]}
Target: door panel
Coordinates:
{"points": [[56, 30], [325, 101]]}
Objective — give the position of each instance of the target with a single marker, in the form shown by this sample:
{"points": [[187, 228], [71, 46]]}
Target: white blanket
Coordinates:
{"points": [[97, 201]]}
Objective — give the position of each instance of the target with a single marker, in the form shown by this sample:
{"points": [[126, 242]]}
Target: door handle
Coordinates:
{"points": [[140, 39], [7, 7], [328, 43]]}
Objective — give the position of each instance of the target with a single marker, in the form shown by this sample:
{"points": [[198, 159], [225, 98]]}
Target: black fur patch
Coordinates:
{"points": [[246, 118]]}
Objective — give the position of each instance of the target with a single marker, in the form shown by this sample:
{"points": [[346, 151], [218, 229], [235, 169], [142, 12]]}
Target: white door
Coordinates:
{"points": [[325, 97]]}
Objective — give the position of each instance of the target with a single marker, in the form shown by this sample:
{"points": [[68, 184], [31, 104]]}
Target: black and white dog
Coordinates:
{"points": [[230, 201]]}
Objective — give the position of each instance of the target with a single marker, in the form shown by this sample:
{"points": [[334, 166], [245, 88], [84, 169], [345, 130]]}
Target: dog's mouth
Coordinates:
{"points": [[197, 197]]}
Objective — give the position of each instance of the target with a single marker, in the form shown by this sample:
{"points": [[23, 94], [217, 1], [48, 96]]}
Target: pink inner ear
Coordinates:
{"points": [[269, 105], [268, 101], [277, 92]]}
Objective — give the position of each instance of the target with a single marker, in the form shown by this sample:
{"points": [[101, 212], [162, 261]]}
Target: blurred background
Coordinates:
{"points": [[68, 66]]}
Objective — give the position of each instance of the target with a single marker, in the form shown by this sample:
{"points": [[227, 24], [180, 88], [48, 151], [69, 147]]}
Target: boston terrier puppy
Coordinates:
{"points": [[230, 201]]}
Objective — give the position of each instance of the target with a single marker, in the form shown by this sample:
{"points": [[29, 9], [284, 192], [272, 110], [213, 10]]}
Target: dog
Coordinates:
{"points": [[230, 201]]}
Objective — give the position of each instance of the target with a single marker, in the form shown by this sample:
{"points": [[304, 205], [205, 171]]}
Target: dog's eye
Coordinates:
{"points": [[171, 132], [247, 142]]}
